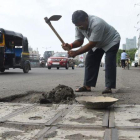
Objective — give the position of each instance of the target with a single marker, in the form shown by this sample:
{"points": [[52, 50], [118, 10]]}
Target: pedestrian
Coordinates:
{"points": [[123, 59], [102, 38]]}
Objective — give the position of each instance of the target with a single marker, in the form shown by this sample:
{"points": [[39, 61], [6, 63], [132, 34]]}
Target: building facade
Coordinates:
{"points": [[34, 57], [124, 46], [130, 43]]}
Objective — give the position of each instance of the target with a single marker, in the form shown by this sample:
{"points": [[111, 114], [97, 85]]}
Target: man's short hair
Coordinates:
{"points": [[123, 50], [79, 16]]}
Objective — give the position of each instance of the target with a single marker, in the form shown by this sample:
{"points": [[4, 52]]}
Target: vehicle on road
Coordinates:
{"points": [[48, 54], [14, 51], [127, 63], [42, 62], [133, 64], [136, 59], [81, 65], [60, 59]]}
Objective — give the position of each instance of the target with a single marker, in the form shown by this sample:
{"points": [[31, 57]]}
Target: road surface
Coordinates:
{"points": [[14, 81]]}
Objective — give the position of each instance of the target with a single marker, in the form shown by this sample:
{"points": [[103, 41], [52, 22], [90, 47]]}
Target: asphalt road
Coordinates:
{"points": [[14, 81]]}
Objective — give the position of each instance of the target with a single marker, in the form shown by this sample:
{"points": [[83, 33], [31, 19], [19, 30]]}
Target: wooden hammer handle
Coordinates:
{"points": [[56, 33]]}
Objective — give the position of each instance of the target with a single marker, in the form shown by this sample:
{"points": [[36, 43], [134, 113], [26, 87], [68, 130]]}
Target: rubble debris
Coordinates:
{"points": [[60, 94]]}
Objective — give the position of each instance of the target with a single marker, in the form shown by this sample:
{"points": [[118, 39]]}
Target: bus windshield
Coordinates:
{"points": [[1, 37]]}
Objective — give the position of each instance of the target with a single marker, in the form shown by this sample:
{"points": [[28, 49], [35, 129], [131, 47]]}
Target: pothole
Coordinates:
{"points": [[60, 94], [29, 97]]}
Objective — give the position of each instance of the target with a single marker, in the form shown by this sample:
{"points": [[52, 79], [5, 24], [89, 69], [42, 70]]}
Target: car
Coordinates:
{"points": [[60, 59], [81, 65], [134, 64]]}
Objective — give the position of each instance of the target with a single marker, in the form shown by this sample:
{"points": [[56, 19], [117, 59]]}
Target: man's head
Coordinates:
{"points": [[123, 50], [80, 19]]}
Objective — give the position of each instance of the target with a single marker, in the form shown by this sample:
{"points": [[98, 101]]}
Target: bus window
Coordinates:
{"points": [[1, 37]]}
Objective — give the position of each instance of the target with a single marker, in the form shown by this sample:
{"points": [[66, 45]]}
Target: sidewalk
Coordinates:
{"points": [[71, 122]]}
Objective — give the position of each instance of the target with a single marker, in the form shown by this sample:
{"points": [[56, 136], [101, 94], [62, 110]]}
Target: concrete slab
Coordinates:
{"points": [[39, 114], [127, 116], [129, 134], [80, 115], [75, 134], [7, 108], [71, 122], [16, 134]]}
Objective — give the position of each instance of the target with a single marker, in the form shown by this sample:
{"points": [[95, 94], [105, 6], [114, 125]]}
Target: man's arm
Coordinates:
{"points": [[83, 49], [86, 47], [75, 44]]}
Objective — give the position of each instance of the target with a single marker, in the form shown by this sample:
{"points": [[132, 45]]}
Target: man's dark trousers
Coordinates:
{"points": [[123, 63], [92, 64]]}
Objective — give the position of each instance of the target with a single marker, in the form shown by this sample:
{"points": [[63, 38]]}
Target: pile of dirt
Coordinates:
{"points": [[60, 94]]}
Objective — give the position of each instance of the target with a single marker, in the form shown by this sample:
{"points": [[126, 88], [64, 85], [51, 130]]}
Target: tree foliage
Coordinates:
{"points": [[131, 54]]}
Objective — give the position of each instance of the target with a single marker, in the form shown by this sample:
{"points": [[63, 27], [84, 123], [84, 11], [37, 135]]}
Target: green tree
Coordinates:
{"points": [[119, 56], [131, 54]]}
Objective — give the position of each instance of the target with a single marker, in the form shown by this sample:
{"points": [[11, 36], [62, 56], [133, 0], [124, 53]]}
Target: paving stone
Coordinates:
{"points": [[80, 115], [39, 114], [75, 134], [78, 123], [7, 133], [127, 116], [7, 108], [129, 134]]}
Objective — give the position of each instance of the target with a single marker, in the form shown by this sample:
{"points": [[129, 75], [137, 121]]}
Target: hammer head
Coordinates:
{"points": [[52, 18]]}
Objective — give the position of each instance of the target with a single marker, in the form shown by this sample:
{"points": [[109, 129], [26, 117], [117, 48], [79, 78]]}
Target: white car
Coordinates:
{"points": [[134, 64]]}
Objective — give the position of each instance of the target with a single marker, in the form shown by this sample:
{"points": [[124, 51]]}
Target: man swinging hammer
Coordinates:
{"points": [[103, 38]]}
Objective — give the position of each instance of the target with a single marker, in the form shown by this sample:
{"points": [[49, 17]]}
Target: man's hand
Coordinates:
{"points": [[72, 53], [66, 47]]}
